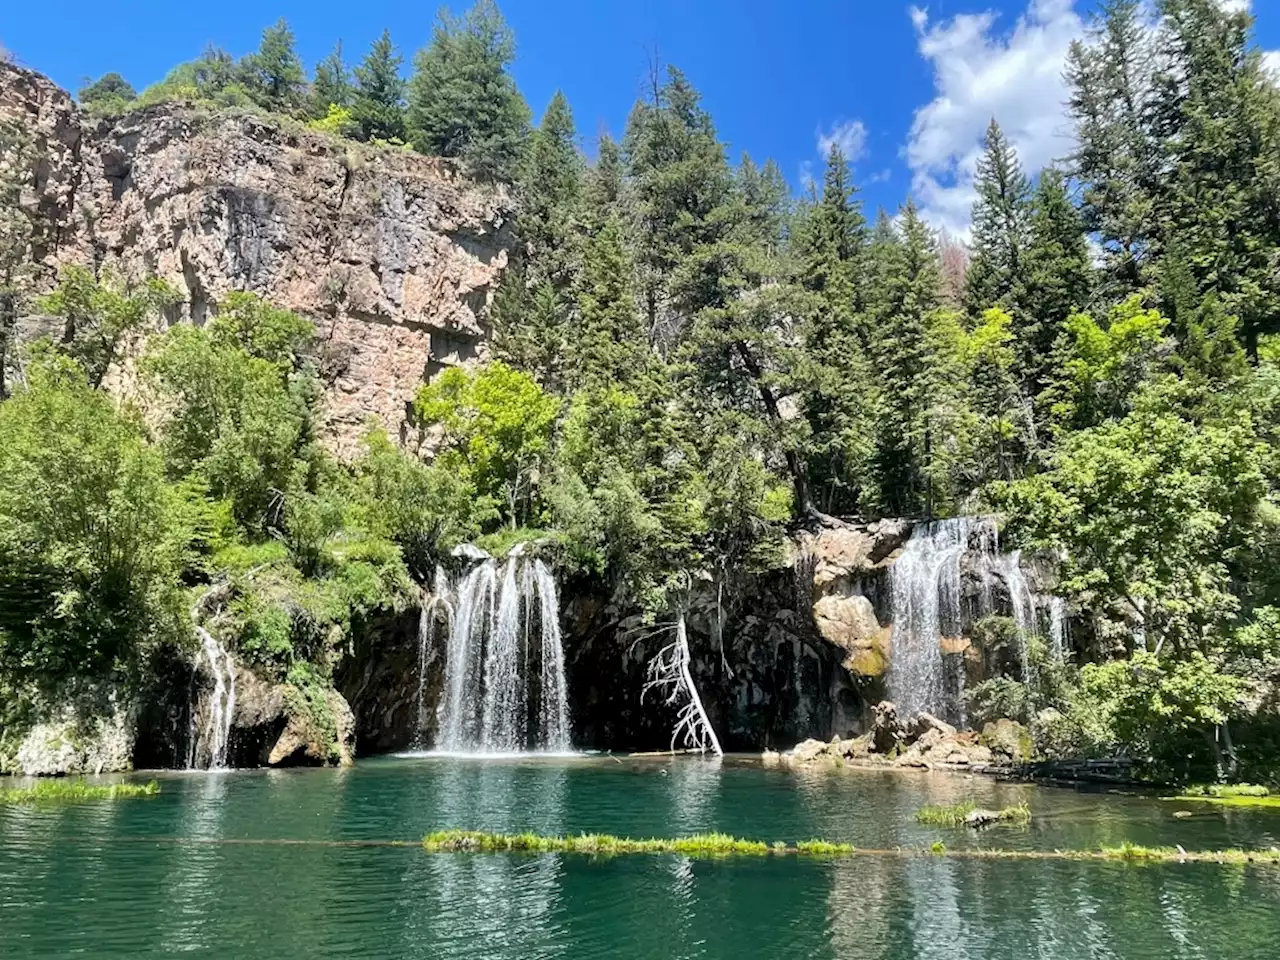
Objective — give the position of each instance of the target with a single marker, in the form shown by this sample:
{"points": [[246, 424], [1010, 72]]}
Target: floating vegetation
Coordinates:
{"points": [[1135, 853], [1230, 795], [594, 844], [822, 848], [76, 791], [969, 814]]}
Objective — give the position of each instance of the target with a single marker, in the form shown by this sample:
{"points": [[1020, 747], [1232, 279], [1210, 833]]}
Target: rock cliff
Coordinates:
{"points": [[392, 255]]}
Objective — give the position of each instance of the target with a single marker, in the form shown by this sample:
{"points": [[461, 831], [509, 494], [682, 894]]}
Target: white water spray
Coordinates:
{"points": [[222, 703], [505, 683]]}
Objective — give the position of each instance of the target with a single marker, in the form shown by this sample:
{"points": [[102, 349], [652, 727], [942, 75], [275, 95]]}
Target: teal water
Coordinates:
{"points": [[172, 876]]}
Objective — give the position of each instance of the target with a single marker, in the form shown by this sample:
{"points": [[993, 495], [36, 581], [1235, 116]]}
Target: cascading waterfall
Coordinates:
{"points": [[929, 604], [505, 684], [926, 588], [222, 703]]}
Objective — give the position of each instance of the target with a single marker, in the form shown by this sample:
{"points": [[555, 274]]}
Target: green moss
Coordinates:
{"points": [[1244, 800], [823, 848], [76, 791], [594, 844]]}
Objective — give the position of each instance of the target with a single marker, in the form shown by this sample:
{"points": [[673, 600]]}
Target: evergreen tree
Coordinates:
{"points": [[999, 226], [274, 75], [603, 189], [378, 105], [611, 347], [551, 184], [831, 242], [1056, 278], [462, 100], [678, 176], [908, 274], [108, 95], [332, 84]]}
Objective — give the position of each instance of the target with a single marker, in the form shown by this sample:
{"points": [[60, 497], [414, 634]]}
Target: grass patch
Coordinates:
{"points": [[1230, 795], [823, 848], [723, 845], [594, 844], [956, 815], [76, 791]]}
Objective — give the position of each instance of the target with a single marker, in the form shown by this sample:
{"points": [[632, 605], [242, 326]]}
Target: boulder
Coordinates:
{"points": [[1007, 738], [770, 758], [887, 731], [809, 750], [924, 722]]}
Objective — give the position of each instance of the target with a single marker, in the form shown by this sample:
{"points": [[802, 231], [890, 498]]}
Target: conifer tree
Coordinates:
{"points": [[999, 225], [1056, 278], [678, 176], [611, 347], [831, 243], [551, 184], [462, 100], [332, 84], [378, 104], [274, 74]]}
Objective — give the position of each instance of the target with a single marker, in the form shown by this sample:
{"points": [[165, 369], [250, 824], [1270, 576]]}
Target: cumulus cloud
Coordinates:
{"points": [[850, 136], [1271, 60], [980, 72]]}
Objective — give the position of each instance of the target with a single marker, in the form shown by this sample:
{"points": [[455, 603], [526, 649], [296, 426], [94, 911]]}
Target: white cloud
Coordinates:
{"points": [[1271, 61], [980, 73], [850, 136]]}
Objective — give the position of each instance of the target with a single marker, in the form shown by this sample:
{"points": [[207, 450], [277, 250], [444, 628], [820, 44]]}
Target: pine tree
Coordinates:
{"points": [[1056, 278], [831, 242], [551, 184], [603, 189], [462, 100], [999, 225], [378, 105], [332, 84], [907, 273], [611, 347], [678, 176], [1114, 99], [274, 74]]}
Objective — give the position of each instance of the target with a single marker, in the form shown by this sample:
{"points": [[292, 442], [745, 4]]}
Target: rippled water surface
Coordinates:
{"points": [[187, 872]]}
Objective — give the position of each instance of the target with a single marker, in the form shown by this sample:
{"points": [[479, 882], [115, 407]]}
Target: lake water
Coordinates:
{"points": [[185, 874]]}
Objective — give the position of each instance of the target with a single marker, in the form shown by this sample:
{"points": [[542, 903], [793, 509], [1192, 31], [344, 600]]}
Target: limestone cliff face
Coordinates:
{"points": [[392, 255]]}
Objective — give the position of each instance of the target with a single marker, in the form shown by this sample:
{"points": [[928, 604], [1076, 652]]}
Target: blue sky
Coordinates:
{"points": [[907, 88]]}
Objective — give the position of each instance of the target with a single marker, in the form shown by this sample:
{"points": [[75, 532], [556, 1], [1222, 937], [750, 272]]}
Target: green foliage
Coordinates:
{"points": [[101, 318], [108, 96], [239, 405], [331, 90], [91, 539], [274, 75], [495, 432], [462, 101], [338, 121], [378, 104]]}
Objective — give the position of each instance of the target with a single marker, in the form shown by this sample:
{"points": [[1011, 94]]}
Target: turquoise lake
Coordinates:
{"points": [[203, 870]]}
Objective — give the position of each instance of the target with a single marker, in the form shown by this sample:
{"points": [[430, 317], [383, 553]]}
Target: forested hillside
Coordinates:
{"points": [[688, 363]]}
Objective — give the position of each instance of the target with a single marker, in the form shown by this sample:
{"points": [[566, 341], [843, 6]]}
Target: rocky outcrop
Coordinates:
{"points": [[847, 567], [71, 743], [922, 741], [391, 254]]}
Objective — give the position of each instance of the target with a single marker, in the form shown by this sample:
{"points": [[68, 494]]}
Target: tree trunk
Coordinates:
{"points": [[795, 463], [8, 322]]}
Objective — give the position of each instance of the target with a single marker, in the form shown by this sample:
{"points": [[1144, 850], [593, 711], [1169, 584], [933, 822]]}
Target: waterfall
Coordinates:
{"points": [[222, 705], [505, 685], [435, 603], [926, 586], [929, 603]]}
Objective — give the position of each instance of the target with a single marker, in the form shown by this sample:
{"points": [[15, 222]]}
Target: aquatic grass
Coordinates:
{"points": [[823, 848], [76, 791], [595, 844], [724, 845], [945, 816], [956, 815]]}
